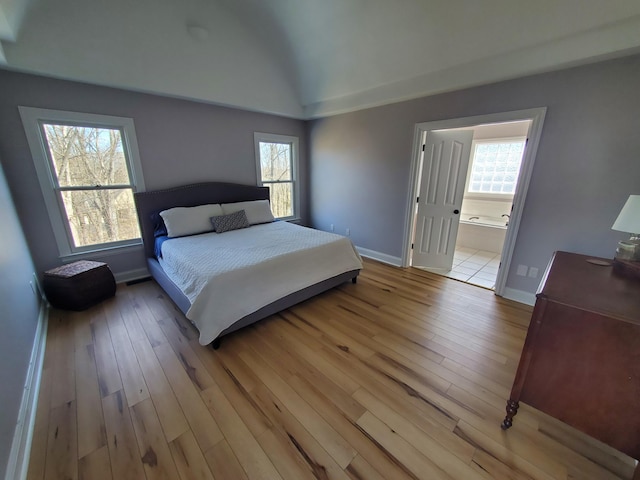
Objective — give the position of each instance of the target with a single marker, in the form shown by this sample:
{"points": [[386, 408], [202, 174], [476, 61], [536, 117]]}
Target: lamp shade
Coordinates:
{"points": [[629, 218]]}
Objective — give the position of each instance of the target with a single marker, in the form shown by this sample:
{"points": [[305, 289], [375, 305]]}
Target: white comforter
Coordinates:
{"points": [[229, 275]]}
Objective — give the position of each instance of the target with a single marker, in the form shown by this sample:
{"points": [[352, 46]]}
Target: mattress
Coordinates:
{"points": [[230, 275]]}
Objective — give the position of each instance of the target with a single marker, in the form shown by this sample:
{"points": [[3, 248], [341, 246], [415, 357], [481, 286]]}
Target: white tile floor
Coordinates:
{"points": [[477, 267]]}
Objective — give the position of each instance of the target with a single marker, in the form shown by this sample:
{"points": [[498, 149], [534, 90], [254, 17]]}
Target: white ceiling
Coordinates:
{"points": [[309, 58]]}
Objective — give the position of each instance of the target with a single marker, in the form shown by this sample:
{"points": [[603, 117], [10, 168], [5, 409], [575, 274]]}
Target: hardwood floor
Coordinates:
{"points": [[404, 375]]}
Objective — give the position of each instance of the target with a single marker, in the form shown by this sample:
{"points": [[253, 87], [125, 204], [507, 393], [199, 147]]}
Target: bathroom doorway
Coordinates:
{"points": [[496, 157], [464, 223]]}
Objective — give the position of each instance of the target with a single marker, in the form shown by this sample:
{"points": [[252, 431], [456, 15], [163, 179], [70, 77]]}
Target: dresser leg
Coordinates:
{"points": [[512, 409]]}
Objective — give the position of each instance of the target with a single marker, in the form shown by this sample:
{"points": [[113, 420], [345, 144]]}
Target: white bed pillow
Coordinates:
{"points": [[181, 221], [258, 211]]}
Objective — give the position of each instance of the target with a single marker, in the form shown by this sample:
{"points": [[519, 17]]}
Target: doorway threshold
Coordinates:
{"points": [[476, 267]]}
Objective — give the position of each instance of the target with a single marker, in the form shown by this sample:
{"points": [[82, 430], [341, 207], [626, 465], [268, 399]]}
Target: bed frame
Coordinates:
{"points": [[148, 203]]}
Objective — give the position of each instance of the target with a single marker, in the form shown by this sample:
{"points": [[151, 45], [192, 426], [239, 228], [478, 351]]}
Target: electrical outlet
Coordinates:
{"points": [[348, 232], [533, 272], [522, 270]]}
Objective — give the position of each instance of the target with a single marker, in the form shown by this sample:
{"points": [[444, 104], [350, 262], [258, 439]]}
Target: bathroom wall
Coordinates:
{"points": [[492, 209], [481, 237]]}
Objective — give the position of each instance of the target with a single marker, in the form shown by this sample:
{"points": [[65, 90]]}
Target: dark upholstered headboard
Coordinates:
{"points": [[148, 203]]}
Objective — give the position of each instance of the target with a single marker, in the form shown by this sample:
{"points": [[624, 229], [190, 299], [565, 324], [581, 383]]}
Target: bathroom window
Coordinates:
{"points": [[495, 166]]}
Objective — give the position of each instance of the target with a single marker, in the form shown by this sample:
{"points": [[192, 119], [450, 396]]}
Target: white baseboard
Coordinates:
{"points": [[520, 296], [131, 275], [381, 257], [23, 434]]}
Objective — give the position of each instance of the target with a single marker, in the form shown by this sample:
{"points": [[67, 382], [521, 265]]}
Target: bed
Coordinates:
{"points": [[225, 281]]}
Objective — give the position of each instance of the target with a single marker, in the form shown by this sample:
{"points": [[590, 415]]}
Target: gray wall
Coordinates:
{"points": [[587, 164], [179, 142], [18, 320]]}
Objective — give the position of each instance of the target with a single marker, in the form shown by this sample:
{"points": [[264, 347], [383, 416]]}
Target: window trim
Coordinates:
{"points": [[293, 141], [495, 196], [32, 120]]}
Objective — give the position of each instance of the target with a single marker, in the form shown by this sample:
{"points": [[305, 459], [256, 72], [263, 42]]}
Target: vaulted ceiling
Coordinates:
{"points": [[309, 58]]}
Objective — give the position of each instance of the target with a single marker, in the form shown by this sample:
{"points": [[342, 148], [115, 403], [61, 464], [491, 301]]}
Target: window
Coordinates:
{"points": [[495, 166], [277, 165], [88, 167]]}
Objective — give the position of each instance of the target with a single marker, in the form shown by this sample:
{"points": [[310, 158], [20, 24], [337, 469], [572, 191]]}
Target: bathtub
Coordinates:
{"points": [[483, 233]]}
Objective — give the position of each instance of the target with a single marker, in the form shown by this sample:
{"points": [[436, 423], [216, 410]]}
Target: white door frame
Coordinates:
{"points": [[536, 115]]}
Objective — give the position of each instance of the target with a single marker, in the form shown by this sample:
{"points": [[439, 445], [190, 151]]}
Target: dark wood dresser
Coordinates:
{"points": [[581, 358]]}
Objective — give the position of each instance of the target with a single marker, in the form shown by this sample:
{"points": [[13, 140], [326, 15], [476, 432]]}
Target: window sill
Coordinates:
{"points": [[102, 252], [492, 197]]}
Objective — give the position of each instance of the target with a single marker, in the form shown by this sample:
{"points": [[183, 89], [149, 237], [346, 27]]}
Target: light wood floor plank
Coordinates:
{"points": [[63, 387], [407, 454], [359, 469], [202, 425], [250, 455], [404, 375], [149, 310], [107, 367], [223, 463], [124, 455], [522, 465], [300, 444], [156, 457], [135, 388], [189, 360], [189, 458], [226, 369], [91, 428], [335, 445], [425, 444], [95, 466], [62, 445], [346, 426], [170, 414], [289, 466]]}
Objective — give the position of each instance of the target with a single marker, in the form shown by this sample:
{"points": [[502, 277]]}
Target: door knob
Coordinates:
{"points": [[456, 211]]}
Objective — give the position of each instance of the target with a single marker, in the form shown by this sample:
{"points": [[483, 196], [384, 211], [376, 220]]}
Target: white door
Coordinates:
{"points": [[445, 160]]}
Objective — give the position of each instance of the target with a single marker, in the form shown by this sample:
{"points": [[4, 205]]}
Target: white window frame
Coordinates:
{"points": [[293, 141], [32, 120], [495, 195]]}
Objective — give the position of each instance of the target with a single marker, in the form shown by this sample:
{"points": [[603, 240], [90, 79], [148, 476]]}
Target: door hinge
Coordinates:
{"points": [[418, 200], [526, 142], [412, 246], [423, 146]]}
